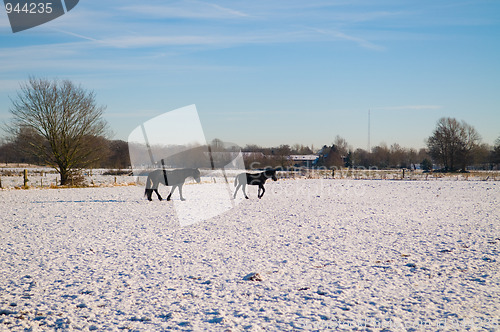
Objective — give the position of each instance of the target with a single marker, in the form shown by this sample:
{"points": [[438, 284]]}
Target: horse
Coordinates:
{"points": [[174, 178], [258, 179]]}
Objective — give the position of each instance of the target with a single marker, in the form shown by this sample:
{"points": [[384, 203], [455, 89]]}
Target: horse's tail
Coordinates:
{"points": [[236, 180]]}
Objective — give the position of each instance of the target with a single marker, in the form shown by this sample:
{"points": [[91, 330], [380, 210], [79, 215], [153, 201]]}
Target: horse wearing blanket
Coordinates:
{"points": [[258, 179]]}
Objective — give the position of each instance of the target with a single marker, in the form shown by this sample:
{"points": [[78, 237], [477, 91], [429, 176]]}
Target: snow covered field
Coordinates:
{"points": [[310, 255]]}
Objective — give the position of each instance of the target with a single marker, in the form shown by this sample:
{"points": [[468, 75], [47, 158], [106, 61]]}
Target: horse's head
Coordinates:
{"points": [[271, 173], [196, 175]]}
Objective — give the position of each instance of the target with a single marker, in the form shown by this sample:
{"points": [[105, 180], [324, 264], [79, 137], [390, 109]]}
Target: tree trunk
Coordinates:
{"points": [[65, 175]]}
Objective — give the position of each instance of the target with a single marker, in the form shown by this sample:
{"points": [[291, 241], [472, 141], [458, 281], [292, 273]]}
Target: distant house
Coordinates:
{"points": [[253, 155], [305, 160]]}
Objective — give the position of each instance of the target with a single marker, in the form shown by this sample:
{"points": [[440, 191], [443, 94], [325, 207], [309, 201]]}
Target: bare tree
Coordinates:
{"points": [[453, 143], [118, 155], [342, 146], [381, 156], [495, 153], [282, 154], [333, 158], [301, 149], [361, 158], [398, 156], [411, 157], [60, 123], [469, 145], [443, 144]]}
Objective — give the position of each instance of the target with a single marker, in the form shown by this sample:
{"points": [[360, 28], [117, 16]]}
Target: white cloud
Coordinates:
{"points": [[191, 9], [138, 41], [356, 17], [229, 11], [28, 57], [75, 34], [156, 41], [337, 35], [138, 114]]}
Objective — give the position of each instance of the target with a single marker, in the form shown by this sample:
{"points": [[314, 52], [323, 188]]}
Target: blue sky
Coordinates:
{"points": [[274, 72]]}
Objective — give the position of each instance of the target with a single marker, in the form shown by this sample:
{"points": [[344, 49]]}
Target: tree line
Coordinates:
{"points": [[453, 146], [112, 154], [60, 124]]}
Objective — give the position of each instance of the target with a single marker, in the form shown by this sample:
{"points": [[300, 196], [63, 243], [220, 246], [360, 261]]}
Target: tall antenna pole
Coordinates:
{"points": [[369, 146]]}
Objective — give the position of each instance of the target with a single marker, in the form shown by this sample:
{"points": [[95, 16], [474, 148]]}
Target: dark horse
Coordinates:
{"points": [[254, 179], [174, 178]]}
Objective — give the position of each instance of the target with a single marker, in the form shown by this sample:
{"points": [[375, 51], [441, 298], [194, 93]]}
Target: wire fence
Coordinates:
{"points": [[42, 177], [395, 174]]}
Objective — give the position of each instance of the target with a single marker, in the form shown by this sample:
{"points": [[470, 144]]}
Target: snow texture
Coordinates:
{"points": [[310, 255]]}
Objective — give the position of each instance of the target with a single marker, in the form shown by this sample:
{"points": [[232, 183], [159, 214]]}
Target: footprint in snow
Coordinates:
{"points": [[253, 277]]}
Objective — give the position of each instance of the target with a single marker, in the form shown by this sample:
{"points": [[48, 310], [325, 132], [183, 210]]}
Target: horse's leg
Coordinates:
{"points": [[171, 192], [148, 191], [158, 194], [155, 186], [261, 186], [180, 192], [238, 187], [243, 189]]}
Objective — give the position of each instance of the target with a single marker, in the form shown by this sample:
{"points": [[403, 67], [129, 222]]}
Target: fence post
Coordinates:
{"points": [[25, 178]]}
